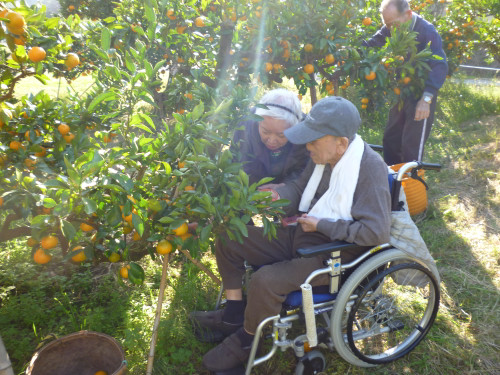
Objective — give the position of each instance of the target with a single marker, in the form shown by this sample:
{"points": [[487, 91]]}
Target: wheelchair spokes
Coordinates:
{"points": [[386, 324]]}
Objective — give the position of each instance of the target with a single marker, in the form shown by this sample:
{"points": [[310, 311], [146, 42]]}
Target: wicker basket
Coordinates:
{"points": [[415, 191], [80, 353]]}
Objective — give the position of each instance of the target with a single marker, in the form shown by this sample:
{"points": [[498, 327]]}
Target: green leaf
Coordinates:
{"points": [[129, 63], [49, 203], [68, 230], [198, 111], [105, 38], [105, 96], [57, 184], [89, 205], [240, 225], [148, 120], [149, 69], [124, 181], [138, 224], [136, 273], [205, 233]]}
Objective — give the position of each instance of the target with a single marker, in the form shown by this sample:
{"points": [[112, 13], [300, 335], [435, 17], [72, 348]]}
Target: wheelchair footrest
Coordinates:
{"points": [[240, 370]]}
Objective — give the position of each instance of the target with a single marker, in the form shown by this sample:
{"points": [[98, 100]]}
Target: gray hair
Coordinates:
{"points": [[282, 105], [401, 5]]}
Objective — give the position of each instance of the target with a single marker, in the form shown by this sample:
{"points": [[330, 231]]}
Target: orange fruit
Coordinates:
{"points": [[397, 90], [181, 229], [15, 145], [71, 8], [31, 242], [69, 137], [199, 22], [72, 60], [80, 256], [1, 203], [37, 54], [181, 111], [329, 59], [364, 106], [286, 53], [163, 247], [180, 29], [124, 271], [16, 22], [181, 164], [189, 188], [49, 242], [308, 47], [86, 227], [27, 134], [180, 60], [41, 257], [189, 96], [170, 14], [63, 129], [41, 153], [30, 163], [136, 236], [367, 21], [309, 68], [46, 210], [365, 101], [3, 12], [20, 41], [269, 67], [101, 373], [113, 258], [406, 80], [371, 76]]}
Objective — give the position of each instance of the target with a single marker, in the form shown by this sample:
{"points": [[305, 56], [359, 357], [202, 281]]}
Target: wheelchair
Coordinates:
{"points": [[376, 309]]}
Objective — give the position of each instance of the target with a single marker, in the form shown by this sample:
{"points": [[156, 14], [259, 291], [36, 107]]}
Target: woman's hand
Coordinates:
{"points": [[270, 186], [308, 223]]}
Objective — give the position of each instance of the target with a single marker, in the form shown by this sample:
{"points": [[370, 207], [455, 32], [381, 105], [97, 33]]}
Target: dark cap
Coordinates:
{"points": [[332, 115]]}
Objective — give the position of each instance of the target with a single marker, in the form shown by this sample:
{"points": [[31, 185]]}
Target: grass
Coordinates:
{"points": [[460, 227]]}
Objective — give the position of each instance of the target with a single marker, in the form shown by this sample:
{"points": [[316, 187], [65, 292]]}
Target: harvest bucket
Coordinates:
{"points": [[80, 353], [415, 191]]}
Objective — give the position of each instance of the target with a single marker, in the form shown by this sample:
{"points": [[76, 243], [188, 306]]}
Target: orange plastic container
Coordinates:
{"points": [[415, 191]]}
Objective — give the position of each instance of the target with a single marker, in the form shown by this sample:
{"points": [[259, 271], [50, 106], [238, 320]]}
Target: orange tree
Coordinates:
{"points": [[96, 178], [148, 149]]}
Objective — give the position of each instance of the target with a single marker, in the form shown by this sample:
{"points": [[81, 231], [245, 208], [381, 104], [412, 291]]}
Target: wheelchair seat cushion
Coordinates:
{"points": [[320, 294]]}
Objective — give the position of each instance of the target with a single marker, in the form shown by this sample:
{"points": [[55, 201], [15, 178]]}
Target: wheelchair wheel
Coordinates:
{"points": [[312, 363], [376, 320]]}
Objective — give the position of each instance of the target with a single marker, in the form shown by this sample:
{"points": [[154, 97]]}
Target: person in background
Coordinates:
{"points": [[405, 124], [265, 151]]}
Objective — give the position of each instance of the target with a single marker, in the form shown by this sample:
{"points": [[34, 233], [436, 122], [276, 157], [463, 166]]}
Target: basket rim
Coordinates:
{"points": [[72, 336]]}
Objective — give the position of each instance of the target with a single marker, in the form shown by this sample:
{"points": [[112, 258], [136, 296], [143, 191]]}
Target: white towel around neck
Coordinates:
{"points": [[336, 202]]}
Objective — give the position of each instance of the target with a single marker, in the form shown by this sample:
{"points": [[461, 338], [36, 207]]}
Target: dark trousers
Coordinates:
{"points": [[281, 272], [403, 134]]}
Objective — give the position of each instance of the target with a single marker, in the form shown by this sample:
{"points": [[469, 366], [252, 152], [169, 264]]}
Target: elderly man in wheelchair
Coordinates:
{"points": [[370, 315]]}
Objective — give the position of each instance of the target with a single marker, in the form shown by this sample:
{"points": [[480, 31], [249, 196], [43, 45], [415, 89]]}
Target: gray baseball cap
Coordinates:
{"points": [[332, 115]]}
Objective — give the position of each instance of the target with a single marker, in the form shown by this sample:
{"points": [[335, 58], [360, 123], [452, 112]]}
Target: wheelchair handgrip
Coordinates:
{"points": [[431, 166], [328, 248]]}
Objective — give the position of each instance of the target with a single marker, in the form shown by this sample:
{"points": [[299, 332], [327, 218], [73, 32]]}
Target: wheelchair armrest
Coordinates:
{"points": [[329, 247]]}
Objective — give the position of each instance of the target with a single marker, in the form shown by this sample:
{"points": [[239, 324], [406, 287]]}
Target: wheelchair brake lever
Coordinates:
{"points": [[414, 174]]}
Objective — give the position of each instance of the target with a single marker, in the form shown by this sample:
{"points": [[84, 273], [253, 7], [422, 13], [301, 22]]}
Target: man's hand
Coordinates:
{"points": [[422, 111], [308, 223]]}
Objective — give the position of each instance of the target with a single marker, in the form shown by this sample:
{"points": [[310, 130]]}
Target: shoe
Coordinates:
{"points": [[209, 326], [227, 356]]}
